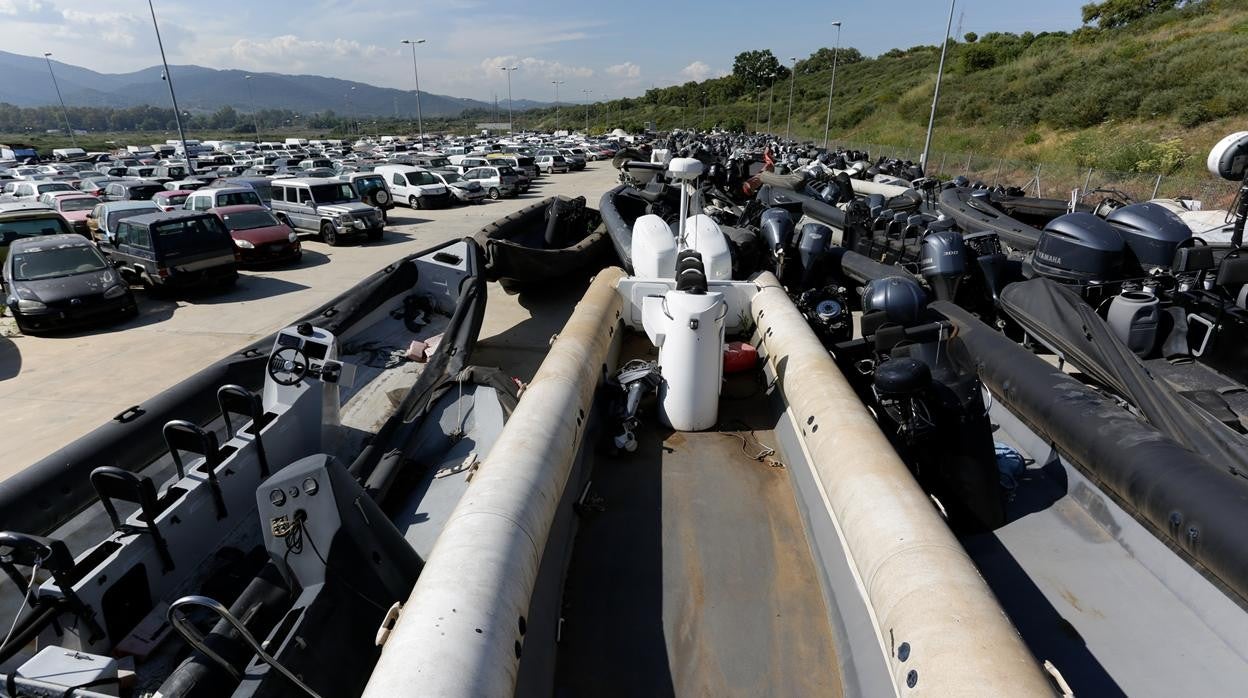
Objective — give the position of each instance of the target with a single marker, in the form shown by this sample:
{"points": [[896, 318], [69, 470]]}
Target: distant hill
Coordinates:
{"points": [[24, 82]]}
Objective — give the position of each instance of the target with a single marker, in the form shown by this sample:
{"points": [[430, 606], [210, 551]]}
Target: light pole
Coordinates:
{"points": [[251, 95], [587, 92], [350, 110], [177, 115], [940, 71], [771, 98], [420, 124], [827, 123], [788, 127], [64, 112], [511, 124], [557, 83], [703, 110]]}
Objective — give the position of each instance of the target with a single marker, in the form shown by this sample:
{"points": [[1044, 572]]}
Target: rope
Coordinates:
{"points": [[763, 453], [25, 600]]}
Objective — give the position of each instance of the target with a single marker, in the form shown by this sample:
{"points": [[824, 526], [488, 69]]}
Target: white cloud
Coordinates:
{"points": [[697, 71], [627, 69], [289, 53], [32, 11], [535, 66]]}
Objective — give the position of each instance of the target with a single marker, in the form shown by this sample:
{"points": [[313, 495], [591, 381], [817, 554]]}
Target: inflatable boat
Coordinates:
{"points": [[553, 240], [248, 531]]}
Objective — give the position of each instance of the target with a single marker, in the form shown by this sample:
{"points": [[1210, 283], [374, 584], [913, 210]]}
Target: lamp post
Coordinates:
{"points": [[251, 96], [788, 127], [420, 124], [940, 71], [771, 98], [177, 115], [587, 93], [703, 124], [511, 123], [827, 123], [557, 83], [64, 112]]}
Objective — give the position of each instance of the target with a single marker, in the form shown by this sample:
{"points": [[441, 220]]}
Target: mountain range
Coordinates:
{"points": [[24, 82]]}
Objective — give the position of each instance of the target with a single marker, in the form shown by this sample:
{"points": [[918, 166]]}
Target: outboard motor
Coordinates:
{"points": [[896, 299], [813, 243], [943, 263], [1079, 248], [1152, 233], [776, 228], [899, 385]]}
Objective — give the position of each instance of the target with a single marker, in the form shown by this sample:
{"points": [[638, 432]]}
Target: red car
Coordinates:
{"points": [[74, 209], [171, 200], [258, 236]]}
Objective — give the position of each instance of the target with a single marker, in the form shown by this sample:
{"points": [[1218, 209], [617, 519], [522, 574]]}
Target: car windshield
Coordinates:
{"points": [[238, 198], [115, 217], [12, 230], [145, 191], [76, 204], [332, 193], [451, 177], [439, 162], [368, 185], [53, 186], [421, 178], [61, 261], [507, 171], [174, 199], [249, 220]]}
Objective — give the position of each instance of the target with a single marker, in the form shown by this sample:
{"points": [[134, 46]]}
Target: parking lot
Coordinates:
{"points": [[57, 388]]}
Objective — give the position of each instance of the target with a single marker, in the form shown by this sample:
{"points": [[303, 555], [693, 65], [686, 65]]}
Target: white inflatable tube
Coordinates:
{"points": [[920, 583], [459, 629]]}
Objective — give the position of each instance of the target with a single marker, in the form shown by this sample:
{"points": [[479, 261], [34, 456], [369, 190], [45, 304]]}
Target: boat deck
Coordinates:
{"points": [[692, 574]]}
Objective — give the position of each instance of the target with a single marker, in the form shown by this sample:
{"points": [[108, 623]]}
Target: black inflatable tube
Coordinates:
{"points": [[57, 487], [1191, 504], [618, 229], [860, 268], [957, 204]]}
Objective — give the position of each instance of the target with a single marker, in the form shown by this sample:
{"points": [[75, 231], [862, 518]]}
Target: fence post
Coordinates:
{"points": [[941, 170], [968, 163], [996, 178], [1156, 187], [1037, 181], [1087, 181]]}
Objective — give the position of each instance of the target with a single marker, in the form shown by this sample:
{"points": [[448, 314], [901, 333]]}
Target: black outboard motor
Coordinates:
{"points": [[897, 300], [1079, 248], [942, 262], [1152, 233], [899, 385], [776, 229], [813, 243]]}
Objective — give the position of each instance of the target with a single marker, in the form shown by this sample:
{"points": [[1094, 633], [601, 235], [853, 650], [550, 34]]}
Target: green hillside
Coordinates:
{"points": [[1149, 95]]}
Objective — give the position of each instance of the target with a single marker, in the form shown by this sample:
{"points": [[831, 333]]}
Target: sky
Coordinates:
{"points": [[610, 49]]}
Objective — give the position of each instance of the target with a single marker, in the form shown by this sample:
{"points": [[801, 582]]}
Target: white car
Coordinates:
{"points": [[415, 186]]}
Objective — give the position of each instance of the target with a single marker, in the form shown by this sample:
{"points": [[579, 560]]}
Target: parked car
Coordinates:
{"points": [[36, 188], [173, 250], [94, 185], [472, 161], [261, 185], [215, 197], [415, 186], [498, 181], [131, 190], [21, 222], [551, 164], [372, 189], [54, 281], [328, 208], [463, 190], [103, 219], [432, 162], [259, 236], [523, 164], [575, 160], [171, 200], [186, 185], [75, 208]]}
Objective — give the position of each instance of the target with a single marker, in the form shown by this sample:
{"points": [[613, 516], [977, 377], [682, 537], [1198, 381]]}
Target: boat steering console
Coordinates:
{"points": [[305, 352]]}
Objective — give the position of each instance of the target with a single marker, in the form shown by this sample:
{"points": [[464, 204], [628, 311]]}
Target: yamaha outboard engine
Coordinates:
{"points": [[776, 229], [813, 243], [1079, 248], [897, 300], [942, 262], [1152, 233], [899, 385]]}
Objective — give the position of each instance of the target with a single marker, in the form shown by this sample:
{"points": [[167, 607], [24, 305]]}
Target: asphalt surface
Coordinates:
{"points": [[55, 389]]}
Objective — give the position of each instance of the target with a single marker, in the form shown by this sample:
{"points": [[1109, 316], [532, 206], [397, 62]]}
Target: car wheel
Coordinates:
{"points": [[328, 234], [495, 193], [414, 202], [550, 170]]}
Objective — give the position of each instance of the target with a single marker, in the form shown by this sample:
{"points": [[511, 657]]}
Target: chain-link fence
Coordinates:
{"points": [[1058, 181]]}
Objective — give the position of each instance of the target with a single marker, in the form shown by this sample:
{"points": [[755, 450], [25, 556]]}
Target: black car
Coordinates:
{"points": [[175, 249], [56, 281], [131, 190]]}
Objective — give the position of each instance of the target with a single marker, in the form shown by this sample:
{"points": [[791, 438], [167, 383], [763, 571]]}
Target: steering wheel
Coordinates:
{"points": [[288, 366]]}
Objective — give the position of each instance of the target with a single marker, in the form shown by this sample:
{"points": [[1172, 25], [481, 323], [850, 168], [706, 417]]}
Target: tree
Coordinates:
{"points": [[1111, 14], [970, 37], [821, 60], [758, 68]]}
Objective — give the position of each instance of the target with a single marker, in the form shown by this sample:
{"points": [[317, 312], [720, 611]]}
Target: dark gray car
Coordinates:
{"points": [[57, 281]]}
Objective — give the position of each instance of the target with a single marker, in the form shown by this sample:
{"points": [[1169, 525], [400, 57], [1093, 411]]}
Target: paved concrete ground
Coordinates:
{"points": [[56, 389]]}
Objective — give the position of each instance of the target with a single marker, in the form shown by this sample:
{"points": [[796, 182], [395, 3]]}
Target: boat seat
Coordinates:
{"points": [[52, 556], [1232, 274], [235, 399], [181, 435], [112, 483]]}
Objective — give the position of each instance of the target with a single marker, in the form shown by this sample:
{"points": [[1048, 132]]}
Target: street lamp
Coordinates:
{"points": [[771, 98], [587, 93], [827, 123], [704, 110], [557, 83], [64, 112], [251, 95], [788, 127], [420, 124], [177, 115], [940, 71], [350, 109], [511, 124]]}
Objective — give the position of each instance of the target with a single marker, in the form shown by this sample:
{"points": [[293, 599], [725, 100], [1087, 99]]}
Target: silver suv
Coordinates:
{"points": [[327, 207]]}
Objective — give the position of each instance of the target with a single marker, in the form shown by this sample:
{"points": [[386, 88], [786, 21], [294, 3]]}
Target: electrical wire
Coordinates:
{"points": [[25, 600]]}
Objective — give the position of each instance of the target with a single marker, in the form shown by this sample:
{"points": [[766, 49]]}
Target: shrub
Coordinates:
{"points": [[1031, 138], [1193, 114]]}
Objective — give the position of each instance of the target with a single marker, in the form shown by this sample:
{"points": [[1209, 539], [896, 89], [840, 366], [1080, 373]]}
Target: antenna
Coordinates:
{"points": [[961, 18]]}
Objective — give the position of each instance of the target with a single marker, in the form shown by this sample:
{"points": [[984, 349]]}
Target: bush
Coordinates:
{"points": [[977, 57], [1193, 114], [1031, 138]]}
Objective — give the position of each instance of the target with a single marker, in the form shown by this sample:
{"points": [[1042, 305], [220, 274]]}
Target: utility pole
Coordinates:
{"points": [[177, 115], [703, 110], [771, 98], [557, 83], [788, 127], [64, 112], [511, 124], [827, 123], [587, 92], [420, 123], [940, 71], [251, 97]]}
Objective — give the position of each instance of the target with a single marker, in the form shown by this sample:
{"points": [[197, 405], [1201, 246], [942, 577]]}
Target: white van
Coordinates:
{"points": [[68, 153], [415, 186]]}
